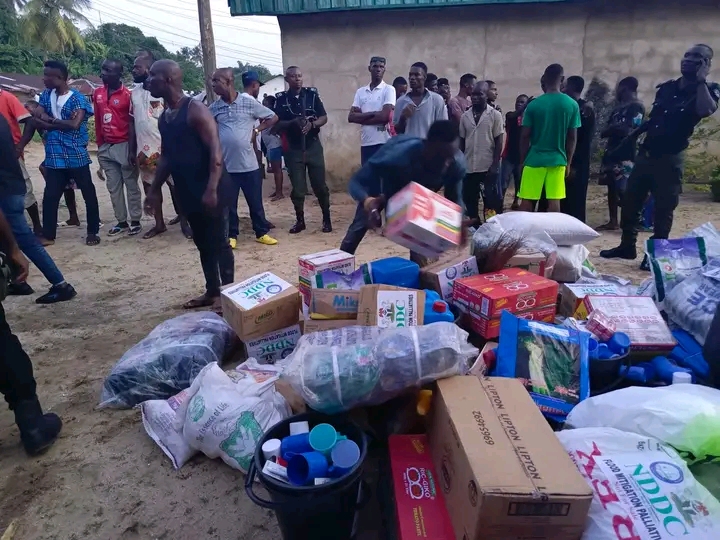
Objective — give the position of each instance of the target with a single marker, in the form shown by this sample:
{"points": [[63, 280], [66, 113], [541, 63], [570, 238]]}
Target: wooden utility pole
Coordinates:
{"points": [[207, 43]]}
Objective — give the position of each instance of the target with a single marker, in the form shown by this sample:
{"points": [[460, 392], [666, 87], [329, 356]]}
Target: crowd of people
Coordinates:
{"points": [[413, 130]]}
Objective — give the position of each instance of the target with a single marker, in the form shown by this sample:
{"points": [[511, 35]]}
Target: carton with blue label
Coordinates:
{"points": [[441, 275], [334, 304], [274, 346], [260, 305]]}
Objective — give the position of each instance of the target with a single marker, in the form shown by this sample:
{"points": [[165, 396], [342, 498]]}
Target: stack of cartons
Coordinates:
{"points": [[485, 296]]}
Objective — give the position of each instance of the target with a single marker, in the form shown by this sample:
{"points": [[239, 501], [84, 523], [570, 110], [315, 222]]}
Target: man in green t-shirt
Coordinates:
{"points": [[547, 142]]}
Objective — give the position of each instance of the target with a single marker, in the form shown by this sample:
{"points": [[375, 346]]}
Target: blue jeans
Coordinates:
{"points": [[509, 170], [251, 185], [13, 206], [366, 152]]}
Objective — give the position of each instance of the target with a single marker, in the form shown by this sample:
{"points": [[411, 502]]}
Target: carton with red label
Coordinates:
{"points": [[510, 289], [490, 328], [419, 501], [423, 221]]}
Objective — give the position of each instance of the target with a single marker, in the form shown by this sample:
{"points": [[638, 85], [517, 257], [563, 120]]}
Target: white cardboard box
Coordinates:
{"points": [[274, 346], [423, 221], [314, 263]]}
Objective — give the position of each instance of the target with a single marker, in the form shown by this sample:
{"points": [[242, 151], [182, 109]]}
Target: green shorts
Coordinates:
{"points": [[535, 178]]}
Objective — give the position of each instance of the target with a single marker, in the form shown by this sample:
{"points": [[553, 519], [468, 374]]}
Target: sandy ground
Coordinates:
{"points": [[105, 478]]}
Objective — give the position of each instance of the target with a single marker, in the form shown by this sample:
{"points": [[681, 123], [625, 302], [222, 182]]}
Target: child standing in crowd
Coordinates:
{"points": [[273, 147]]}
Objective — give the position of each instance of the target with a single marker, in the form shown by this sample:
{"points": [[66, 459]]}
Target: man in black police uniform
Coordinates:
{"points": [[302, 114], [679, 106]]}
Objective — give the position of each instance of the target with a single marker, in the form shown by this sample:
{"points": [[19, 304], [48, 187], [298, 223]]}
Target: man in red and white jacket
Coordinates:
{"points": [[112, 104]]}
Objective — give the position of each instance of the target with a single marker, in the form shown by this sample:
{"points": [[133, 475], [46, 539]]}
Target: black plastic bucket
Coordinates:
{"points": [[325, 512]]}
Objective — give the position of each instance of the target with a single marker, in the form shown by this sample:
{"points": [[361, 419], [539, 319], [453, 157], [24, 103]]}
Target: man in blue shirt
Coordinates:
{"points": [[435, 163], [63, 114]]}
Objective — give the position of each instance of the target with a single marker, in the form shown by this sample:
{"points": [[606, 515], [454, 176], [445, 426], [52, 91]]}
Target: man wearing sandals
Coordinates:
{"points": [[191, 153], [144, 142], [63, 114]]}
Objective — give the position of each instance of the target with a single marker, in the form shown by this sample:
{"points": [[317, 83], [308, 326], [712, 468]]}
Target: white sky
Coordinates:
{"points": [[175, 24]]}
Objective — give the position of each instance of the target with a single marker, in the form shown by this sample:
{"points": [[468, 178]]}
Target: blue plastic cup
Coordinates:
{"points": [[592, 347], [604, 352], [344, 455], [295, 444], [303, 469], [619, 343], [323, 438]]}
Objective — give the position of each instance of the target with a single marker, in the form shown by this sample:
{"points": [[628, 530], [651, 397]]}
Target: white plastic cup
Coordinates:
{"points": [[271, 449], [681, 377], [298, 428]]}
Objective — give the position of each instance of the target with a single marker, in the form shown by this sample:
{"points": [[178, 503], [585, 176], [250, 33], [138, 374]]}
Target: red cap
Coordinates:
{"points": [[439, 306]]}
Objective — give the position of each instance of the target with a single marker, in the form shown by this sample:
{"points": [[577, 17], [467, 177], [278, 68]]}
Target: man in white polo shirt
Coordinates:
{"points": [[372, 109]]}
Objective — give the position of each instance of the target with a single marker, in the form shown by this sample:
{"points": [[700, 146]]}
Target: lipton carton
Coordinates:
{"points": [[260, 305], [423, 221]]}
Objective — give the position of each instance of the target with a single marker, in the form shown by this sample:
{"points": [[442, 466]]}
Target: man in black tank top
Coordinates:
{"points": [[191, 153]]}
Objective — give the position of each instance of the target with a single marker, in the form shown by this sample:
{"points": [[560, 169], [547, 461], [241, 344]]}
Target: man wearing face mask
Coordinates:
{"points": [[435, 163], [679, 106]]}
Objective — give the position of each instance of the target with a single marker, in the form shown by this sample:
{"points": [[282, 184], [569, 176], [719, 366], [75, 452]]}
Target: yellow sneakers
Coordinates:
{"points": [[233, 243], [267, 240]]}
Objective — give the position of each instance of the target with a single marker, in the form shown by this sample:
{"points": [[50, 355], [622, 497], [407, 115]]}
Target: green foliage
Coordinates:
{"points": [[265, 73], [701, 162], [32, 31], [50, 25]]}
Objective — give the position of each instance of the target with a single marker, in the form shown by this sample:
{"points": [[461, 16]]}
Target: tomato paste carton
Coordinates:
{"points": [[636, 316], [510, 289], [419, 502], [490, 328], [423, 221], [310, 265]]}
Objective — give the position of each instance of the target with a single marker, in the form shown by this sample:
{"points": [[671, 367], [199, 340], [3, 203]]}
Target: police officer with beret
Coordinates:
{"points": [[302, 114], [679, 106]]}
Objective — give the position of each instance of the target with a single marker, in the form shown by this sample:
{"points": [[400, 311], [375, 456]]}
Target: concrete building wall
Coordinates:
{"points": [[509, 44]]}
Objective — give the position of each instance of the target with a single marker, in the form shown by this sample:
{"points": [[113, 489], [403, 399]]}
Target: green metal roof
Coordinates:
{"points": [[295, 7]]}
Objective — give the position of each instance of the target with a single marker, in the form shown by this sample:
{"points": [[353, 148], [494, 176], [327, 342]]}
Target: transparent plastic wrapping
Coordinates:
{"points": [[333, 378], [167, 360]]}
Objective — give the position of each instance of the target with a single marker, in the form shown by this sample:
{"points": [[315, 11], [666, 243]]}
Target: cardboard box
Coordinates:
{"points": [[533, 261], [441, 275], [274, 346], [490, 328], [572, 295], [423, 221], [390, 307], [260, 305], [636, 316], [419, 503], [310, 265], [312, 325], [503, 472], [334, 304], [509, 289]]}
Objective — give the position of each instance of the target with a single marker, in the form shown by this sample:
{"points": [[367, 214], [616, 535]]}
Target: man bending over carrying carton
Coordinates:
{"points": [[434, 163]]}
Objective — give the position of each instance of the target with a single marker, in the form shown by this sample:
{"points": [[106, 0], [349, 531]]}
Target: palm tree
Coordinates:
{"points": [[50, 24]]}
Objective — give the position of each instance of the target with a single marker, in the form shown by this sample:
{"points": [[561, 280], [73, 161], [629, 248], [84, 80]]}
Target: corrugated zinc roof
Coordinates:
{"points": [[295, 7]]}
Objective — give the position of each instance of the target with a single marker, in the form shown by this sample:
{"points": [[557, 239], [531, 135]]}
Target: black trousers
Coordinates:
{"points": [[483, 184], [56, 180], [210, 234], [574, 203], [16, 372], [356, 231], [660, 176]]}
